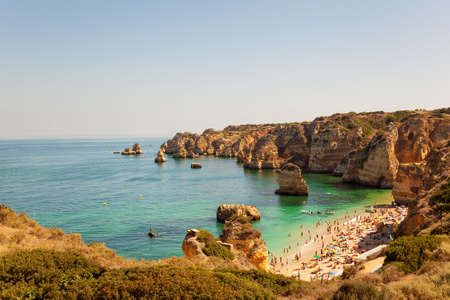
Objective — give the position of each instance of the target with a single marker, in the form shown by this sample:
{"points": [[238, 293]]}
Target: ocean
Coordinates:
{"points": [[66, 182]]}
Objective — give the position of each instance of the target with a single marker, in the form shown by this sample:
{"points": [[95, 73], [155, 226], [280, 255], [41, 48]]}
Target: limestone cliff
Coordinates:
{"points": [[329, 147], [291, 182], [265, 154], [246, 239], [368, 148], [376, 164], [424, 215], [417, 138]]}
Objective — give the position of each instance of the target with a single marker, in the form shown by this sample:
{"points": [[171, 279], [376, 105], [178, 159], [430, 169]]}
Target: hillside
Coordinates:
{"points": [[40, 263]]}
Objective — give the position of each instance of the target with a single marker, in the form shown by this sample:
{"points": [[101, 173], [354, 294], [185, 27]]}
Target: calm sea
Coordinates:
{"points": [[65, 182]]}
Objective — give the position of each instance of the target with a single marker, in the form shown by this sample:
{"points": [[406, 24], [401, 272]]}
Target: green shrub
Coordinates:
{"points": [[408, 252], [357, 290], [441, 198], [205, 236], [218, 250]]}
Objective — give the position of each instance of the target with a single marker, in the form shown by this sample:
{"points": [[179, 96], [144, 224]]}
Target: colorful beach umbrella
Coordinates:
{"points": [[318, 256]]}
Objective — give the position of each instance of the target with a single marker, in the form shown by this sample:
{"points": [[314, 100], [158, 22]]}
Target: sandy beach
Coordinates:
{"points": [[337, 243]]}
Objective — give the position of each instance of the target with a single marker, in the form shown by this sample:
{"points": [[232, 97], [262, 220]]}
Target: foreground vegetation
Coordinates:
{"points": [[40, 263]]}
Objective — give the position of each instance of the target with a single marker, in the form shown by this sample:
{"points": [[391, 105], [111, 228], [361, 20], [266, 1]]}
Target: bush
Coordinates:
{"points": [[205, 237], [216, 249], [408, 252], [441, 198], [391, 273], [356, 290]]}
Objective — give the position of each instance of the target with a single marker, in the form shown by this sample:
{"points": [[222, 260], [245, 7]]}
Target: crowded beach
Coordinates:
{"points": [[322, 253]]}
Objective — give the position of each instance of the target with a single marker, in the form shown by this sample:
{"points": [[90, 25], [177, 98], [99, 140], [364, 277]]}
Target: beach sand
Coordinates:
{"points": [[348, 238]]}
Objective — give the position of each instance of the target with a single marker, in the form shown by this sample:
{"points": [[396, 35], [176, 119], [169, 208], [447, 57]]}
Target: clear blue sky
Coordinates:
{"points": [[152, 68]]}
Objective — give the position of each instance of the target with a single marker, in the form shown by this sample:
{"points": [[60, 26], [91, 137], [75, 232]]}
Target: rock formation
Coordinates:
{"points": [[376, 165], [417, 138], [265, 154], [136, 150], [367, 148], [329, 147], [423, 214], [291, 182], [160, 156], [231, 211], [191, 247], [196, 166], [246, 239]]}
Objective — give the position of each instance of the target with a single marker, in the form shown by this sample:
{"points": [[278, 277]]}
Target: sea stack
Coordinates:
{"points": [[136, 150], [160, 156], [291, 182], [231, 211], [196, 166]]}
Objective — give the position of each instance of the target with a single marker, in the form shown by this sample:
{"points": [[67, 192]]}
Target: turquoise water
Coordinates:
{"points": [[64, 183]]}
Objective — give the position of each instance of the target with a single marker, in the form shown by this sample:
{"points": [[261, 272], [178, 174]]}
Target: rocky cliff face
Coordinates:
{"points": [[248, 240], [376, 164], [191, 247], [416, 139], [329, 147], [359, 147], [291, 182], [424, 215]]}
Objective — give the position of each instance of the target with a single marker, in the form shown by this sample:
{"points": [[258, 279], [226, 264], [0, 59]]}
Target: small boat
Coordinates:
{"points": [[307, 212], [329, 212], [149, 144]]}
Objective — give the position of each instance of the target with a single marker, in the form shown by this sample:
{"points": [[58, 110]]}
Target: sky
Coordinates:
{"points": [[153, 68]]}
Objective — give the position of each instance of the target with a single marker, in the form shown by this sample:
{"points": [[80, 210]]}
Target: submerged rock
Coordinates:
{"points": [[291, 182]]}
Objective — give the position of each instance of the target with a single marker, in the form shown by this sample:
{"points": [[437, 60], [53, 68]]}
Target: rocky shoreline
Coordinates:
{"points": [[406, 151]]}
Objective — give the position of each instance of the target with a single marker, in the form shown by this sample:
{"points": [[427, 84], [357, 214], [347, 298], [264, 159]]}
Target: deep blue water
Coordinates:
{"points": [[65, 182]]}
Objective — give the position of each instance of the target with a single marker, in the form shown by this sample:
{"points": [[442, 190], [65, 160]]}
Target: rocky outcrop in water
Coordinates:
{"points": [[196, 166], [291, 182], [136, 150], [231, 211], [160, 156]]}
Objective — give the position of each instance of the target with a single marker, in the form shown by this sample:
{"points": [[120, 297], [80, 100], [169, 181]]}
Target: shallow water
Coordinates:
{"points": [[65, 182]]}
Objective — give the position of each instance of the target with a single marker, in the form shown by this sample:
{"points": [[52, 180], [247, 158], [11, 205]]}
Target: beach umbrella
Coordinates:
{"points": [[347, 250], [333, 273], [355, 254], [355, 246], [330, 246], [316, 256]]}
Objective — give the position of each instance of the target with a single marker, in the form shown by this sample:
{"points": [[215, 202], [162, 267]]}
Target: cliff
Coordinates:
{"points": [[241, 234], [379, 149]]}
